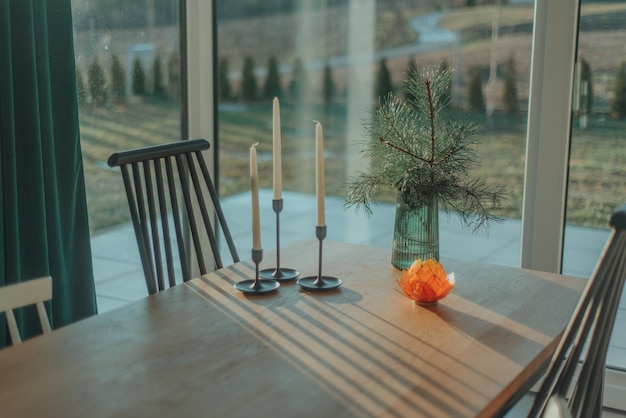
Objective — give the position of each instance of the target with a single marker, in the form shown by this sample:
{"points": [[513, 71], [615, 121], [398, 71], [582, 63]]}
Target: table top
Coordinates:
{"points": [[205, 349]]}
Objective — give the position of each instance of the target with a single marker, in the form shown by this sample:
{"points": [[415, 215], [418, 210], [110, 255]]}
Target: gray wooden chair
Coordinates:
{"points": [[167, 186], [586, 339], [556, 407], [18, 295]]}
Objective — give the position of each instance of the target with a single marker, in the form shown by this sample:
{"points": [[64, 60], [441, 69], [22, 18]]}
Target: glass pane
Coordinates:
{"points": [[128, 79], [598, 151], [327, 61]]}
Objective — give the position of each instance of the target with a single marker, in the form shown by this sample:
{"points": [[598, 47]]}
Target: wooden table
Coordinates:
{"points": [[205, 349]]}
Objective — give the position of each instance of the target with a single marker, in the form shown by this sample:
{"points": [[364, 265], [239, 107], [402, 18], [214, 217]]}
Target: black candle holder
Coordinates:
{"points": [[257, 285], [278, 273], [319, 282]]}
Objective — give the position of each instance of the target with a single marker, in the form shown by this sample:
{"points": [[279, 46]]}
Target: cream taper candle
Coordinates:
{"points": [[278, 175], [319, 174], [254, 188]]}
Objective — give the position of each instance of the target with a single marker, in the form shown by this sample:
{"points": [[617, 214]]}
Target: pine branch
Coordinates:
{"points": [[432, 120], [474, 202], [362, 191], [416, 150], [409, 153]]}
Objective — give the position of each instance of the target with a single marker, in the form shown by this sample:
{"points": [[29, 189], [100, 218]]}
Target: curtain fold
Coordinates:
{"points": [[43, 221]]}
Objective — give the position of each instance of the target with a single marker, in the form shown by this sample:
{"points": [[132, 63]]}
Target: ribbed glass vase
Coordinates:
{"points": [[415, 233]]}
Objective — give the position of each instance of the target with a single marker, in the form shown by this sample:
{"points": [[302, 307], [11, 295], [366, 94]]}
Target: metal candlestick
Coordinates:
{"points": [[319, 282], [257, 286], [278, 273]]}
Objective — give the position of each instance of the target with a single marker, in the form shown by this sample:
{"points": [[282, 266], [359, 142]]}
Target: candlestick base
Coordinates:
{"points": [[319, 282], [257, 286], [280, 275]]}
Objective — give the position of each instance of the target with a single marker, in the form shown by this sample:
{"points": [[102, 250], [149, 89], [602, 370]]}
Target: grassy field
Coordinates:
{"points": [[598, 153], [597, 165], [104, 131]]}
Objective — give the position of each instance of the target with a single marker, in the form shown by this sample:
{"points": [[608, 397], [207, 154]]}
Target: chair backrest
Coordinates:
{"points": [[31, 292], [585, 342], [166, 186], [557, 408]]}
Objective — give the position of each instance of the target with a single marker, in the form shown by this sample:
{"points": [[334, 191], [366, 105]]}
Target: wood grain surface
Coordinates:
{"points": [[204, 349]]}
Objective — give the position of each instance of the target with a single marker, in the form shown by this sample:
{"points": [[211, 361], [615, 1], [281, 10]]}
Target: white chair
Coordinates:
{"points": [[30, 292]]}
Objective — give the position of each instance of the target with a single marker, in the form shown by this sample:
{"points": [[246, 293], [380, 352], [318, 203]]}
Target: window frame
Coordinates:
{"points": [[549, 116], [199, 48], [554, 44]]}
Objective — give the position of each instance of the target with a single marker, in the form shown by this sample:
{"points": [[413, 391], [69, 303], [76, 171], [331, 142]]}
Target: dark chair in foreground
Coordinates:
{"points": [[586, 339], [166, 186]]}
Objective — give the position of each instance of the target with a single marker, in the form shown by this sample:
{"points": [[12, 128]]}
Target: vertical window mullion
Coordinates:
{"points": [[549, 123], [201, 116]]}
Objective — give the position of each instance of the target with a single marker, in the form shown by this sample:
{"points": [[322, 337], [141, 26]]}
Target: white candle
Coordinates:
{"points": [[254, 188], [319, 174], [278, 179]]}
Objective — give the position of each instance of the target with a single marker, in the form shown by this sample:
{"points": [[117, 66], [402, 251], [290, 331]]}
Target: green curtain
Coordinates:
{"points": [[43, 216]]}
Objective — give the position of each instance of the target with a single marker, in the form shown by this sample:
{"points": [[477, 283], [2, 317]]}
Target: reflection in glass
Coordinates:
{"points": [[128, 79], [597, 165], [335, 59]]}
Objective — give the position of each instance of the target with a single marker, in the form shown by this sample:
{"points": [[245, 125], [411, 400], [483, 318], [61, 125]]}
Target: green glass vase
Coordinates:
{"points": [[415, 233]]}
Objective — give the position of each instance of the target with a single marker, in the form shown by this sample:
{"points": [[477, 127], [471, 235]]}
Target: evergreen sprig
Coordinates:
{"points": [[417, 149]]}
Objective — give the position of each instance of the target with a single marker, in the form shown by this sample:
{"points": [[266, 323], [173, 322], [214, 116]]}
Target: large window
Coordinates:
{"points": [[128, 70], [332, 61], [129, 88], [597, 166]]}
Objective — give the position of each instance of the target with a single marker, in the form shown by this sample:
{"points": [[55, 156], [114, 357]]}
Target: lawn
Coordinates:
{"points": [[597, 169], [598, 153], [106, 130]]}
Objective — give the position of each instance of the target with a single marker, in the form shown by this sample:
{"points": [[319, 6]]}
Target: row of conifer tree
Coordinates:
{"points": [[100, 89]]}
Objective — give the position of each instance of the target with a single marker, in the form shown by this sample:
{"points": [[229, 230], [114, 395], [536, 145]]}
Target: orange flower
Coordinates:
{"points": [[426, 282]]}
